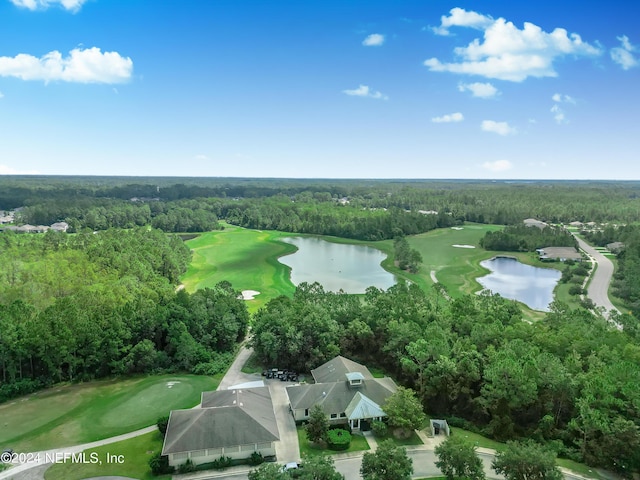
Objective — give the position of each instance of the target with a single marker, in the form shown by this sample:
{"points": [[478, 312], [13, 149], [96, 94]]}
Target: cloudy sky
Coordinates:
{"points": [[331, 89]]}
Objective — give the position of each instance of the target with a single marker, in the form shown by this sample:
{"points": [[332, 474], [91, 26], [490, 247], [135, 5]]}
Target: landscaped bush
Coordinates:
{"points": [[187, 467], [256, 458], [222, 462], [338, 439], [162, 424], [160, 464], [379, 428]]}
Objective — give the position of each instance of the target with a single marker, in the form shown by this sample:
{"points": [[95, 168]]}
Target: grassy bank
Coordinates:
{"points": [[129, 458], [76, 414]]}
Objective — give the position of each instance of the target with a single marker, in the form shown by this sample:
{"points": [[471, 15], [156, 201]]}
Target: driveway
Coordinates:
{"points": [[287, 449], [234, 375]]}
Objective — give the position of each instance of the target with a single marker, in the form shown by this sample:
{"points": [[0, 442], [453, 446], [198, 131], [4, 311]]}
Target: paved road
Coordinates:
{"points": [[599, 287], [234, 375]]}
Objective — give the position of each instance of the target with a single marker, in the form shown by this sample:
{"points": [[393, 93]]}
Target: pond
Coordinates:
{"points": [[336, 266], [532, 286]]}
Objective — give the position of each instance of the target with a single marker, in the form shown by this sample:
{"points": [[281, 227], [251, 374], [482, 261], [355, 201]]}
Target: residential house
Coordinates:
{"points": [[559, 253], [232, 423], [532, 222], [346, 391]]}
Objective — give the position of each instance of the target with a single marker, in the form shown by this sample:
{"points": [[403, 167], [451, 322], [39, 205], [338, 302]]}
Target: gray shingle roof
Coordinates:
{"points": [[335, 397], [336, 369], [227, 418]]}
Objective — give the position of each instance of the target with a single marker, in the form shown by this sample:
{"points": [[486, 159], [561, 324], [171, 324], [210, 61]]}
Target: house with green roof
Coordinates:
{"points": [[346, 391], [232, 423]]}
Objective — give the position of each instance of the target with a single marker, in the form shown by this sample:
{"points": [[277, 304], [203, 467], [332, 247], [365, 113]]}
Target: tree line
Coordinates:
{"points": [[371, 209], [522, 238], [79, 307], [568, 381]]}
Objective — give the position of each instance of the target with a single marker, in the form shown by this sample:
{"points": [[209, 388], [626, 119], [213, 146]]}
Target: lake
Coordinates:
{"points": [[336, 266], [532, 286]]}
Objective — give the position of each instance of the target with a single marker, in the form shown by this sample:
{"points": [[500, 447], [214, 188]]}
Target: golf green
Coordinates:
{"points": [[74, 414]]}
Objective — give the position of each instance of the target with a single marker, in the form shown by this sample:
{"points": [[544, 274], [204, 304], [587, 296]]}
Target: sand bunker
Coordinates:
{"points": [[457, 228], [249, 294], [463, 246]]}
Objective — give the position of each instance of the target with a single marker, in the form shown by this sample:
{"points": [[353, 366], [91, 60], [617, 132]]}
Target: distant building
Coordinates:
{"points": [[532, 222], [559, 254], [615, 247], [60, 226]]}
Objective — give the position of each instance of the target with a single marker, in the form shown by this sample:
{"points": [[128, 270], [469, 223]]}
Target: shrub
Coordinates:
{"points": [[222, 462], [256, 458], [187, 467], [379, 428], [575, 290], [160, 464], [338, 439], [162, 424]]}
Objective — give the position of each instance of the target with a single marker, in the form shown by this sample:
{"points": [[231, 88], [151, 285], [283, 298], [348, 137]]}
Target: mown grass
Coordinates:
{"points": [[135, 454], [76, 414], [246, 258], [358, 444]]}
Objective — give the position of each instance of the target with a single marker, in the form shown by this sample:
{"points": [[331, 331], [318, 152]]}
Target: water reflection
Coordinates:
{"points": [[336, 266], [532, 286]]}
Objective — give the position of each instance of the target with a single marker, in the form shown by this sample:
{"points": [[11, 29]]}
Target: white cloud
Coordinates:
{"points": [[453, 117], [458, 17], [558, 114], [201, 157], [1, 95], [508, 53], [71, 5], [373, 40], [501, 128], [498, 166], [559, 98], [7, 170], [623, 55], [82, 66], [477, 89], [365, 91]]}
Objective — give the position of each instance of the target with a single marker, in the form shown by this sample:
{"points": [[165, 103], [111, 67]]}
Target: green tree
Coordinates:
{"points": [[388, 462], [317, 426], [404, 411], [268, 471], [457, 458], [319, 467], [526, 461]]}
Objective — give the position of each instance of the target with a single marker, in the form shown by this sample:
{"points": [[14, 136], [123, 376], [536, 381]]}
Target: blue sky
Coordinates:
{"points": [[331, 89]]}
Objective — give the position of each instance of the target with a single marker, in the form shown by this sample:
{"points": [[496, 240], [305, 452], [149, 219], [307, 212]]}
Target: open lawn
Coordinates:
{"points": [[133, 453], [358, 443], [75, 414]]}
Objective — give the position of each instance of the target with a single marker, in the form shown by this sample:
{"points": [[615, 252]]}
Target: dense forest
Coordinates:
{"points": [[362, 209], [78, 307], [569, 381], [521, 238]]}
